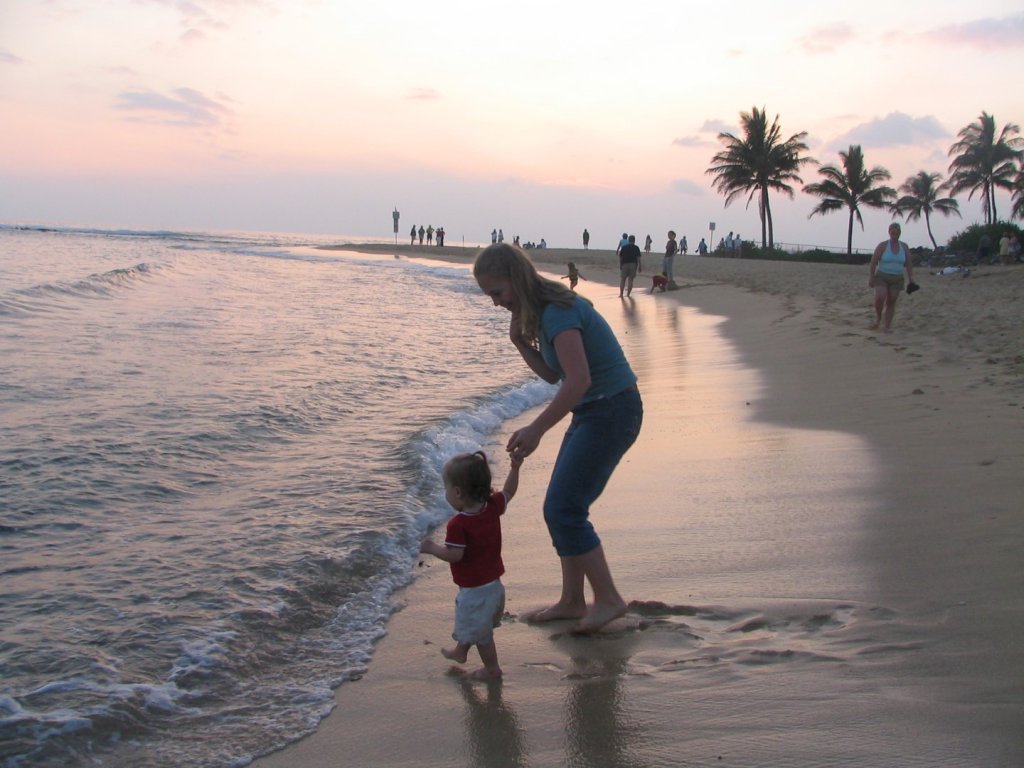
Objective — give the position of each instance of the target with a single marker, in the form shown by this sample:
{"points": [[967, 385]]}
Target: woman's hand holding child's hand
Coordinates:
{"points": [[524, 442]]}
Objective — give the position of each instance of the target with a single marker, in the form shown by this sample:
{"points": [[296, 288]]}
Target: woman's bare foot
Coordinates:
{"points": [[873, 326], [555, 613], [598, 616], [458, 653]]}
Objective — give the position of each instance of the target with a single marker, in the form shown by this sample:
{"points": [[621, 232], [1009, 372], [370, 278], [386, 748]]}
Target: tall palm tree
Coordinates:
{"points": [[851, 187], [984, 160], [921, 197], [759, 162]]}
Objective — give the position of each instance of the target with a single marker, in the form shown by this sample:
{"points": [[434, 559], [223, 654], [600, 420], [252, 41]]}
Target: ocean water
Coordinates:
{"points": [[218, 454]]}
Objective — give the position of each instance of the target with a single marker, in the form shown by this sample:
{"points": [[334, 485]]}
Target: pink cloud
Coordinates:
{"points": [[1007, 32]]}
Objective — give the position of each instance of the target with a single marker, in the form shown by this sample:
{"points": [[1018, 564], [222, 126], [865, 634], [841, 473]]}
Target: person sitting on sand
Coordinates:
{"points": [[890, 262], [472, 547], [659, 282], [574, 276]]}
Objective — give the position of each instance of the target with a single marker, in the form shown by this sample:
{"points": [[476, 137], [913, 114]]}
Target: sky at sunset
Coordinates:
{"points": [[541, 118]]}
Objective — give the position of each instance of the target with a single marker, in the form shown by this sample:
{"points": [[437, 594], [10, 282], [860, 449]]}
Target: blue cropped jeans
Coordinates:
{"points": [[598, 436]]}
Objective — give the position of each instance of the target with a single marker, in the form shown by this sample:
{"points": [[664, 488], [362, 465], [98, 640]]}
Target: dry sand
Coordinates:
{"points": [[821, 529]]}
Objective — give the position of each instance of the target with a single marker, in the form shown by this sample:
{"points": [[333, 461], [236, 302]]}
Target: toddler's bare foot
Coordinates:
{"points": [[598, 616], [873, 326], [485, 674], [456, 654], [556, 612]]}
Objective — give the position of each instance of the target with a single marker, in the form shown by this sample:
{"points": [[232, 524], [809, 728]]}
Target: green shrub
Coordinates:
{"points": [[966, 242]]}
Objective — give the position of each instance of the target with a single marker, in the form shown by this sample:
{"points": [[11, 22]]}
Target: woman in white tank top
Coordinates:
{"points": [[890, 262]]}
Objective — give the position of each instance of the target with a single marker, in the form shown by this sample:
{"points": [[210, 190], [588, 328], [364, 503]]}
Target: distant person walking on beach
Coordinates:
{"points": [[501, 236], [422, 232], [889, 263], [683, 247], [623, 241], [440, 237], [472, 547], [737, 246], [574, 276], [430, 234], [702, 248], [647, 245], [412, 235], [629, 263], [565, 341], [586, 240], [494, 236], [670, 257], [1004, 248]]}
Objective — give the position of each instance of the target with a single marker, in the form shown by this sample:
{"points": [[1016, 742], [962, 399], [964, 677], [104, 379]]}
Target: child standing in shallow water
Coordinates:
{"points": [[472, 547]]}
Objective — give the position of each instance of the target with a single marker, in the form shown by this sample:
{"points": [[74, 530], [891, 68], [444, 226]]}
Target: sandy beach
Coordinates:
{"points": [[820, 531]]}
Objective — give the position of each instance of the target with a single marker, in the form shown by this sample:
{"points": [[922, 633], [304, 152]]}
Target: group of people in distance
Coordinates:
{"points": [[429, 232], [732, 245], [630, 262], [563, 339]]}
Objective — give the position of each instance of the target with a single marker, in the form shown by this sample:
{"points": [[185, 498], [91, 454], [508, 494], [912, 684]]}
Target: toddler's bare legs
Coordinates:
{"points": [[489, 656], [457, 654]]}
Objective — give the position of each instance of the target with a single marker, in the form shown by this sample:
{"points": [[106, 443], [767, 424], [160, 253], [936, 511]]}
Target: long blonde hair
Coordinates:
{"points": [[504, 261]]}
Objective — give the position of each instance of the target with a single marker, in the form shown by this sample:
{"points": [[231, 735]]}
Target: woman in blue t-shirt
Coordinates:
{"points": [[564, 340]]}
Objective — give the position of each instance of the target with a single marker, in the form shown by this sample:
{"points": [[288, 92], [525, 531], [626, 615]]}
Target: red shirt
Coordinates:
{"points": [[480, 536]]}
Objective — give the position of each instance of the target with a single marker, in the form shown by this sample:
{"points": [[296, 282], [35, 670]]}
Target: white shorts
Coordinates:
{"points": [[478, 610]]}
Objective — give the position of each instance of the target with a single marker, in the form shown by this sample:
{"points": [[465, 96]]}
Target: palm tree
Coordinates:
{"points": [[921, 197], [1018, 193], [759, 162], [851, 187], [983, 161]]}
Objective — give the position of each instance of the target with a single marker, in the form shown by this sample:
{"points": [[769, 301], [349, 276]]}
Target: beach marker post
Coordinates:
{"points": [[711, 237], [395, 216]]}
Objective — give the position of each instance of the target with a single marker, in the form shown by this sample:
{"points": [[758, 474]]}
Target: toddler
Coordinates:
{"points": [[472, 547]]}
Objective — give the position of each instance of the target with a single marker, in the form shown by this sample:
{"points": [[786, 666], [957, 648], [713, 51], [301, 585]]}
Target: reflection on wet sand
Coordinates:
{"points": [[493, 733]]}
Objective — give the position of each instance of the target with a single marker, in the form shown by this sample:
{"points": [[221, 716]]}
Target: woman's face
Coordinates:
{"points": [[894, 232], [501, 292]]}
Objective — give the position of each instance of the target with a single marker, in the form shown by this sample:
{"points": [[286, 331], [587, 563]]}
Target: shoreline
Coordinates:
{"points": [[925, 628], [974, 321]]}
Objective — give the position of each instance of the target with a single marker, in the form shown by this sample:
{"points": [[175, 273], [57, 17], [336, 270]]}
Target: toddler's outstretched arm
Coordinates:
{"points": [[512, 481], [441, 551]]}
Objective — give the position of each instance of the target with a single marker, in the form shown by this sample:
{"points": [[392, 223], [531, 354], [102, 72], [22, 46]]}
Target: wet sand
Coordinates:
{"points": [[820, 530]]}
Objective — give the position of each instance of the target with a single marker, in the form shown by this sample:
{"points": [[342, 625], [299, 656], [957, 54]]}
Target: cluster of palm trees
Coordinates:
{"points": [[983, 160]]}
